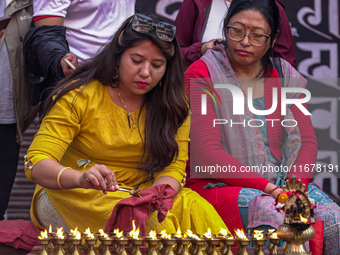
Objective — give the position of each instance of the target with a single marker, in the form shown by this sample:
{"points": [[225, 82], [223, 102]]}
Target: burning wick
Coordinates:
{"points": [[43, 235], [153, 235], [272, 234], [50, 229], [103, 234], [60, 233], [164, 235], [303, 220], [179, 233], [76, 233], [208, 234], [88, 233], [134, 233], [118, 234], [258, 234], [240, 234]]}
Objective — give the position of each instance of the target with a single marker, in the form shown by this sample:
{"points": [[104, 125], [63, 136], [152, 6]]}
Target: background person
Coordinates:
{"points": [[75, 30], [244, 61], [125, 112], [203, 21], [15, 113]]}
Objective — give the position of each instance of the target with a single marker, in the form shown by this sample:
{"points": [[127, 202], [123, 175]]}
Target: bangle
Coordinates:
{"points": [[277, 187], [59, 175]]}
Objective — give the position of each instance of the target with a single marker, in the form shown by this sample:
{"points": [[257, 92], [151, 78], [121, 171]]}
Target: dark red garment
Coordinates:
{"points": [[161, 197], [20, 234], [193, 15]]}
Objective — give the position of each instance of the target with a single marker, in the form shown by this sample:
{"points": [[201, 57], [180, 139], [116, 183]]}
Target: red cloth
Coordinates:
{"points": [[138, 208], [316, 244], [20, 234], [193, 13]]}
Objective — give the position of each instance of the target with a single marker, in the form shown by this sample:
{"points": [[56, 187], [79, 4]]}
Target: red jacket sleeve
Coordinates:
{"points": [[205, 146], [284, 45], [185, 31]]}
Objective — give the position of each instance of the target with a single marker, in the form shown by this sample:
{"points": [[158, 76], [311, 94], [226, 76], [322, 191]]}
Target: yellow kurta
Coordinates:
{"points": [[97, 129]]}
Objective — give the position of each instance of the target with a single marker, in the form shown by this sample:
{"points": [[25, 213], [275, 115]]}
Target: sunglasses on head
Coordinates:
{"points": [[144, 24]]}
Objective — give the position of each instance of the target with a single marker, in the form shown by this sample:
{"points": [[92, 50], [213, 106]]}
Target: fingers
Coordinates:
{"points": [[73, 62], [101, 178]]}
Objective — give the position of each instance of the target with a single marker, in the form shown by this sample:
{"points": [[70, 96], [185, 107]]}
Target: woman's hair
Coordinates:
{"points": [[166, 106], [270, 12]]}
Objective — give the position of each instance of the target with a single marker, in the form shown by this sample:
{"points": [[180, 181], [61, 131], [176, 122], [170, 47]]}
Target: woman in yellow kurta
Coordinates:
{"points": [[124, 115]]}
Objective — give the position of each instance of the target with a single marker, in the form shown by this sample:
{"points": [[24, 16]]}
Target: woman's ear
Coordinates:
{"points": [[276, 36]]}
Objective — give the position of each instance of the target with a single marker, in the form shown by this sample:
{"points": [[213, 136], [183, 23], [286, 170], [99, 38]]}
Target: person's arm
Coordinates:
{"points": [[174, 174], [56, 133], [206, 147], [284, 45]]}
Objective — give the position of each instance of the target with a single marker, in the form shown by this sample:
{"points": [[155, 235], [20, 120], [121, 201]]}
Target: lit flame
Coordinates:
{"points": [[208, 234], [185, 236], [224, 232], [258, 234], [272, 233], [164, 235], [153, 234], [60, 233], [189, 233], [50, 229], [43, 234], [179, 233], [88, 233], [76, 233], [103, 234], [240, 234], [134, 233], [303, 220], [118, 234]]}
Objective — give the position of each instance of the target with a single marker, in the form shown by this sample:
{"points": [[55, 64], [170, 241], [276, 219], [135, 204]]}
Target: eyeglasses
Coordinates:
{"points": [[144, 24], [238, 34]]}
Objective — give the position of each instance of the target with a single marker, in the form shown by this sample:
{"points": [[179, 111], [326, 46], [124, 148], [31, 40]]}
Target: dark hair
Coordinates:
{"points": [[166, 106], [270, 12]]}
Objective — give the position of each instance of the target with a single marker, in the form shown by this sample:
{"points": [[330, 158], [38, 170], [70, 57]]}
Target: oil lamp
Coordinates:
{"points": [[59, 240], [243, 242], [212, 243], [168, 242], [152, 242], [43, 240], [90, 241], [227, 241], [106, 241], [274, 240], [50, 246], [121, 242], [75, 239], [135, 240], [299, 215], [260, 240]]}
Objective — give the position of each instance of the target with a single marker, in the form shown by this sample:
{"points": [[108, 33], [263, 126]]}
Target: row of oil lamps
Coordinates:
{"points": [[158, 244]]}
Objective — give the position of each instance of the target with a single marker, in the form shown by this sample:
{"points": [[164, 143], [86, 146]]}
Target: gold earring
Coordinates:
{"points": [[117, 73]]}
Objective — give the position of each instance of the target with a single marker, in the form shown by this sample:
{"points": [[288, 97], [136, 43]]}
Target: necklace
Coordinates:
{"points": [[129, 115]]}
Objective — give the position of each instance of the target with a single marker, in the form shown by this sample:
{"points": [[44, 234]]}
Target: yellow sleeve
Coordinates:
{"points": [[177, 168], [57, 130]]}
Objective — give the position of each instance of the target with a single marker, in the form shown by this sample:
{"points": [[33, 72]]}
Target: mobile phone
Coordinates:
{"points": [[4, 21]]}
